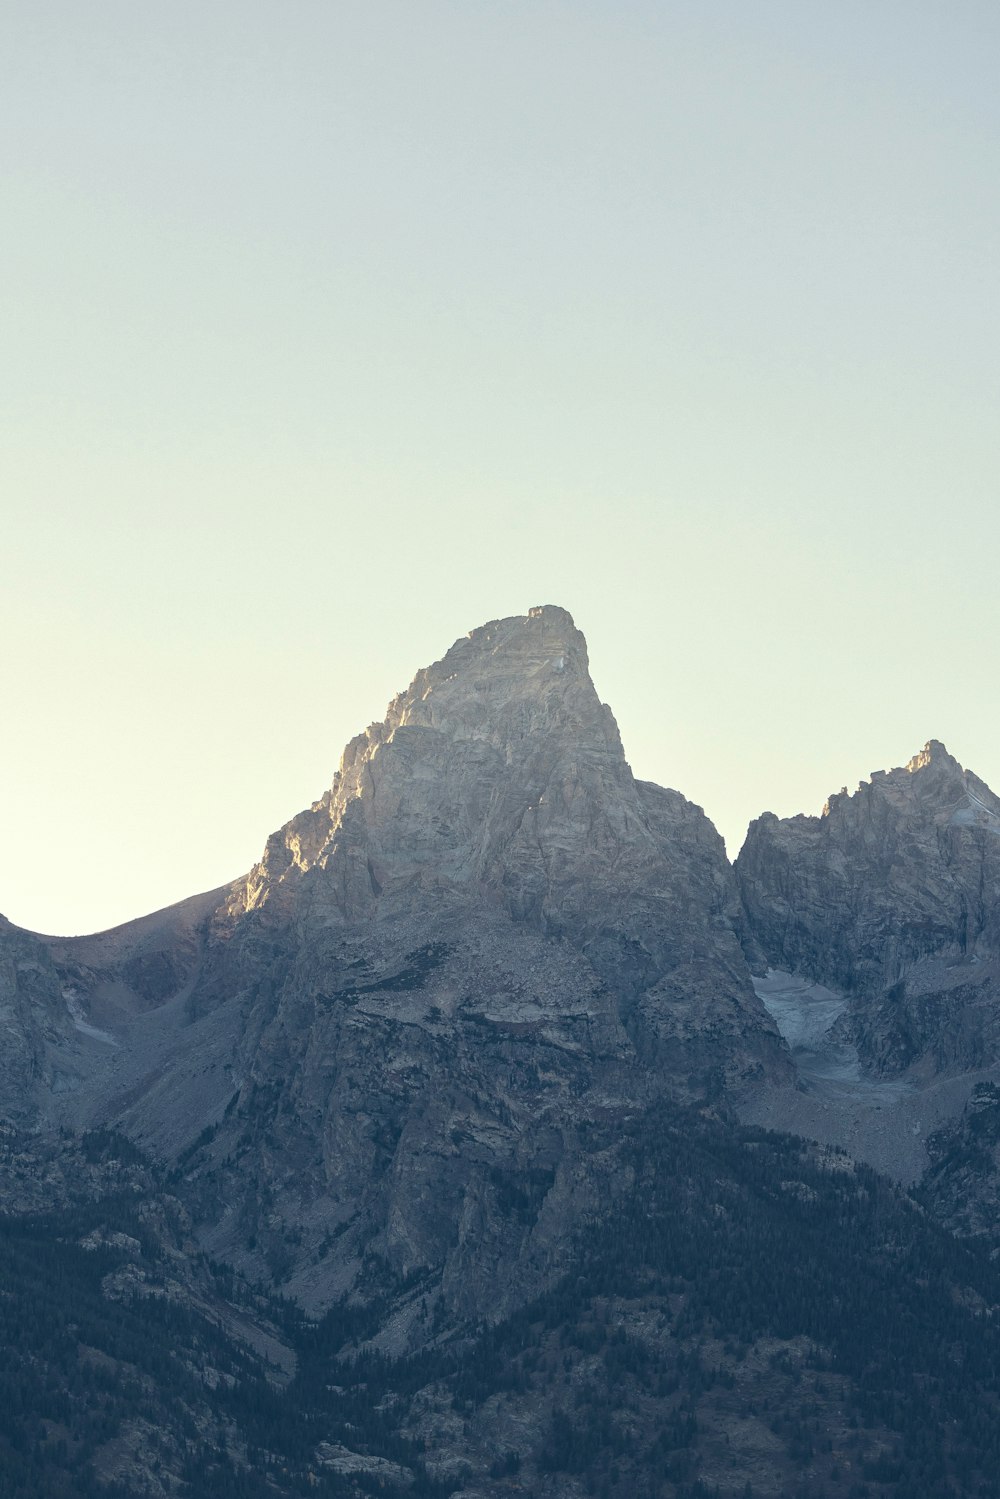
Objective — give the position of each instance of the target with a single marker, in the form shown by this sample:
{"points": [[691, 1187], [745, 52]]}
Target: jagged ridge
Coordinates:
{"points": [[893, 894]]}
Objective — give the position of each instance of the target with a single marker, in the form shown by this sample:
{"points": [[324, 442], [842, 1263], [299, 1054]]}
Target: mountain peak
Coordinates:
{"points": [[933, 753], [552, 614], [903, 872], [496, 788], [512, 683], [435, 794]]}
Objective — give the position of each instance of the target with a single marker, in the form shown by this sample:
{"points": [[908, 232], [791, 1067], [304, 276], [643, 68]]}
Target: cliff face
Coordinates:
{"points": [[497, 781], [962, 1183], [497, 786], [40, 1051], [386, 1045], [894, 895], [457, 1062], [486, 935]]}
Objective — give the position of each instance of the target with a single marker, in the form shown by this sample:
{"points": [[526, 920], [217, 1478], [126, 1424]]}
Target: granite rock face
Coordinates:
{"points": [[497, 783], [39, 1053], [380, 1054], [962, 1183], [893, 895], [466, 1045], [484, 936]]}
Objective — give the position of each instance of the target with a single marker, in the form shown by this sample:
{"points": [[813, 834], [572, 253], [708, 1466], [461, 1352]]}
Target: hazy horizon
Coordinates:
{"points": [[334, 331]]}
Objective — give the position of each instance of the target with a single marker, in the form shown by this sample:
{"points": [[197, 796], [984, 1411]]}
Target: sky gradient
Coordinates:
{"points": [[333, 330]]}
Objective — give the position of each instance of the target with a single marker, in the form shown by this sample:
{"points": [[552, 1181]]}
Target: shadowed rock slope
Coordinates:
{"points": [[497, 781], [452, 1070], [486, 935], [893, 895], [32, 1012], [892, 898]]}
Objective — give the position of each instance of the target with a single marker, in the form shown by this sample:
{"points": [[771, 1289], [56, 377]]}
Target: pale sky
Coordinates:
{"points": [[332, 330]]}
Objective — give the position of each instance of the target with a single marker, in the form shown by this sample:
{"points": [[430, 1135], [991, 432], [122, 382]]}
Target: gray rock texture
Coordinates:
{"points": [[893, 895], [497, 788], [962, 1184], [498, 781], [484, 936], [457, 1062], [40, 1045], [375, 1058]]}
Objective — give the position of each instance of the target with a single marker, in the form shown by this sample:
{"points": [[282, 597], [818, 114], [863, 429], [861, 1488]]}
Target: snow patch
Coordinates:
{"points": [[977, 815], [79, 1017], [806, 1014]]}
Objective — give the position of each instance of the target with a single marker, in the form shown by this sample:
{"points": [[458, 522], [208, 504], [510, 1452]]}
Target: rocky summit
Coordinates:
{"points": [[497, 787], [893, 894], [431, 1148], [498, 780], [485, 935]]}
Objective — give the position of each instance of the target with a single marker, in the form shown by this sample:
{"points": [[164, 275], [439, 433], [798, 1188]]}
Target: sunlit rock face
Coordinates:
{"points": [[497, 782], [493, 758], [485, 937], [893, 894], [385, 1052]]}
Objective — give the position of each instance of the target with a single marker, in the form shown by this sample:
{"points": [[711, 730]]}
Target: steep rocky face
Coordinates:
{"points": [[444, 1068], [409, 1104], [39, 1054], [497, 781], [894, 895], [962, 1184], [485, 935], [745, 1310], [379, 1056]]}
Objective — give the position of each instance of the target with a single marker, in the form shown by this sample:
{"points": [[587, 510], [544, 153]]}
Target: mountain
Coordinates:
{"points": [[497, 782], [37, 1025], [745, 1315], [893, 895], [484, 936], [881, 922], [412, 1161]]}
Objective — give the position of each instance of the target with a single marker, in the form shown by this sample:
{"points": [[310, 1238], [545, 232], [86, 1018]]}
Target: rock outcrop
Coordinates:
{"points": [[498, 778], [485, 935], [962, 1183], [455, 1068], [39, 1054], [497, 783], [378, 1056], [893, 895]]}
